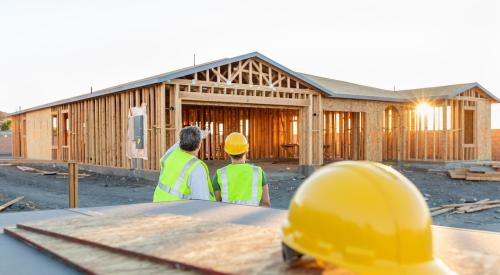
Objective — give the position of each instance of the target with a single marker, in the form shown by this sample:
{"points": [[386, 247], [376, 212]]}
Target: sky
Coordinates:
{"points": [[51, 50]]}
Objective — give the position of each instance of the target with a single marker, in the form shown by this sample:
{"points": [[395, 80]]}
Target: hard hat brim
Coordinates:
{"points": [[433, 267]]}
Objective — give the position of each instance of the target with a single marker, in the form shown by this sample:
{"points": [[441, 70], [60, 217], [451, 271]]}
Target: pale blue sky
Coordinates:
{"points": [[51, 50]]}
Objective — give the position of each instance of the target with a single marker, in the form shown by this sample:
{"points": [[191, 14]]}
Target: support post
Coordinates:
{"points": [[175, 114], [445, 128], [73, 184]]}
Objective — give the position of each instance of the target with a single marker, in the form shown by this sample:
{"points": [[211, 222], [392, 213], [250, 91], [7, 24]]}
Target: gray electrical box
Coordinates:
{"points": [[139, 132]]}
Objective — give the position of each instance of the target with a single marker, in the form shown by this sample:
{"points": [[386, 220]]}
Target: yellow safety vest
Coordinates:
{"points": [[176, 167], [240, 183]]}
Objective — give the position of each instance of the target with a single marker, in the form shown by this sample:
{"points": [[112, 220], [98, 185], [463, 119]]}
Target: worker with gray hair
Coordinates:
{"points": [[182, 175]]}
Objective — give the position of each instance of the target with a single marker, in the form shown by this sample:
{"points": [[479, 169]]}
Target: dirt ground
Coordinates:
{"points": [[50, 191]]}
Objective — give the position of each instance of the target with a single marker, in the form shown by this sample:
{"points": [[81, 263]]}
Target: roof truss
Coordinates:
{"points": [[251, 71]]}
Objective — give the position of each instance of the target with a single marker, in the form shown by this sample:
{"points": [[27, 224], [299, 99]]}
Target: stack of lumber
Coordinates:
{"points": [[474, 173], [44, 172], [465, 207]]}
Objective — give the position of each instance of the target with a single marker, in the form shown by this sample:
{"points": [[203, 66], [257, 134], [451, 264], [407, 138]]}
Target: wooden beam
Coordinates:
{"points": [[241, 86], [163, 123], [242, 99]]}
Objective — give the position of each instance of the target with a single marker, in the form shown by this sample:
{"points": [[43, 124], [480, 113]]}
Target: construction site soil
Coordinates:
{"points": [[51, 191]]}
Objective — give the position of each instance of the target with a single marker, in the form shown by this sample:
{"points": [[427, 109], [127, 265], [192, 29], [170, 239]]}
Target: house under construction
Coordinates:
{"points": [[286, 115]]}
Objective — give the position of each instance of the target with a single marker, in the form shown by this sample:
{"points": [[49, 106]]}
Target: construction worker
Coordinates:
{"points": [[364, 217], [240, 182], [182, 174]]}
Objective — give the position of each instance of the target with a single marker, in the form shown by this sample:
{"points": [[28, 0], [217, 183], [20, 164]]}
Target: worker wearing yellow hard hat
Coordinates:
{"points": [[364, 217], [240, 182]]}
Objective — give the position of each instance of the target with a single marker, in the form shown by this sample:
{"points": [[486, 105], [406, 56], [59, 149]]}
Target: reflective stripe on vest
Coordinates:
{"points": [[255, 185], [175, 190]]}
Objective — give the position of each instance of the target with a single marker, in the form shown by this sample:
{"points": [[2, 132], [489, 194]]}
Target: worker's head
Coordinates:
{"points": [[190, 139], [236, 146], [239, 157]]}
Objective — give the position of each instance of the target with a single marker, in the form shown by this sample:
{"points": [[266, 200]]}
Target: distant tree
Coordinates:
{"points": [[5, 126]]}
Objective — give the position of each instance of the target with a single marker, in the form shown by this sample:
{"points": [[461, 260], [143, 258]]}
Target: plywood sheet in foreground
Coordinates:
{"points": [[232, 248], [222, 247], [91, 259]]}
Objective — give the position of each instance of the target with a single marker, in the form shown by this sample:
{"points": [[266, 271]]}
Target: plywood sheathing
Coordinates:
{"points": [[39, 138], [19, 144], [391, 134], [373, 112], [483, 130]]}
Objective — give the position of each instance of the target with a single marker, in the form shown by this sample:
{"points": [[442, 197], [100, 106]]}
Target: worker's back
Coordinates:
{"points": [[240, 183]]}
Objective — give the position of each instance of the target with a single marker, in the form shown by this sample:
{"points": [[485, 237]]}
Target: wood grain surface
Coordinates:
{"points": [[245, 249]]}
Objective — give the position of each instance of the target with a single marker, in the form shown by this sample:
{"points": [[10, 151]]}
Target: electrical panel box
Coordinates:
{"points": [[139, 131]]}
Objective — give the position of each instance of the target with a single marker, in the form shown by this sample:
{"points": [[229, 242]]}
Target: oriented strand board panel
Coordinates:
{"points": [[483, 129], [495, 144], [38, 134], [374, 116]]}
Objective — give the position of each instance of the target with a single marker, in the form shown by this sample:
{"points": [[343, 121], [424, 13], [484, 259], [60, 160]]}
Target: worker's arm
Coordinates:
{"points": [[266, 199], [198, 183]]}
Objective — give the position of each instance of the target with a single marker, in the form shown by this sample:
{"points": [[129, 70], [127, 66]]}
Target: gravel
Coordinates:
{"points": [[50, 192]]}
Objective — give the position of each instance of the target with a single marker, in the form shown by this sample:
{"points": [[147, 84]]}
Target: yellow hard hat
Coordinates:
{"points": [[236, 144], [362, 216]]}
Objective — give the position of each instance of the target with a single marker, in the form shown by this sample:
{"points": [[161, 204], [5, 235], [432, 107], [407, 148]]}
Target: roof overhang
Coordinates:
{"points": [[206, 66]]}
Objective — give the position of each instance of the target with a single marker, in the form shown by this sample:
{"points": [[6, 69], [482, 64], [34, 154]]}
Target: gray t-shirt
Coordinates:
{"points": [[197, 181]]}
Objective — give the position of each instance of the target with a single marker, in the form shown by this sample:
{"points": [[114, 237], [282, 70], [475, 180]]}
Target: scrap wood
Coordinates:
{"points": [[441, 211], [66, 174], [485, 201], [474, 174], [34, 170], [479, 169], [457, 173], [10, 203], [478, 208], [48, 173], [461, 208], [45, 173], [489, 175], [25, 168]]}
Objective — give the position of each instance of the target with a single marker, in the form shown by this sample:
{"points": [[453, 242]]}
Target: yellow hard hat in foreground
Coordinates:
{"points": [[236, 144], [362, 216]]}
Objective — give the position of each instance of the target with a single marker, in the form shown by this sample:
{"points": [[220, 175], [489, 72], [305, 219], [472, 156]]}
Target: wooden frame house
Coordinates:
{"points": [[286, 116]]}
